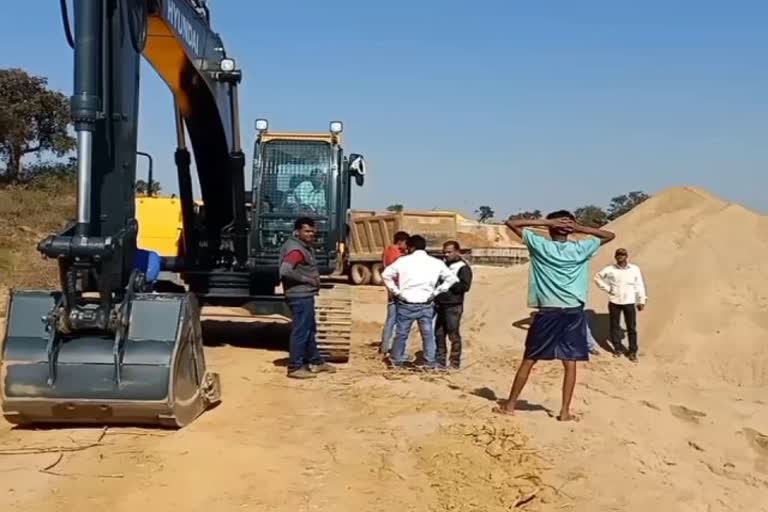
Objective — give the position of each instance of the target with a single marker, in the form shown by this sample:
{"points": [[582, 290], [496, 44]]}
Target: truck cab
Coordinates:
{"points": [[300, 174]]}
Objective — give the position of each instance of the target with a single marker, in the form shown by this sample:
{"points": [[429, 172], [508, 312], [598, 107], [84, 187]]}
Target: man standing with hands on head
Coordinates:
{"points": [[626, 295], [557, 288]]}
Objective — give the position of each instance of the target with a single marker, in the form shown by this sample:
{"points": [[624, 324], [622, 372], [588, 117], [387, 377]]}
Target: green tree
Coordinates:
{"points": [[33, 119], [624, 203], [142, 187], [395, 208], [527, 215], [484, 213], [591, 215]]}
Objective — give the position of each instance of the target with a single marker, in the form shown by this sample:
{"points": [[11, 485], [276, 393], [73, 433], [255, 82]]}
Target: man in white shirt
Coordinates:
{"points": [[626, 295], [414, 280], [309, 194]]}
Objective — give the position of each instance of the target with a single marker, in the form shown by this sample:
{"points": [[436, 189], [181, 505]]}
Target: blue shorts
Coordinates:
{"points": [[558, 333]]}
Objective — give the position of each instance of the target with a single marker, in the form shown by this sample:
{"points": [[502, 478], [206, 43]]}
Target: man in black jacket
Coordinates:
{"points": [[449, 307]]}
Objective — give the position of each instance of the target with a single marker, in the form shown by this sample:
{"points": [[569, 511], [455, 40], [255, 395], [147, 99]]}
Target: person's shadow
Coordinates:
{"points": [[598, 323], [521, 405]]}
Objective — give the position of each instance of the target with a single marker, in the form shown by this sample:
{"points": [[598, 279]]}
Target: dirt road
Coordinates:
{"points": [[367, 439]]}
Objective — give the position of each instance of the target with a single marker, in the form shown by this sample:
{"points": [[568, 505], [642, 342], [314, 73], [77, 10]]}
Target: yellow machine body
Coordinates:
{"points": [[160, 224]]}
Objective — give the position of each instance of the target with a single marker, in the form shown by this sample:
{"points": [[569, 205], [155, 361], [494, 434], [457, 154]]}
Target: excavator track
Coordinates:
{"points": [[333, 313]]}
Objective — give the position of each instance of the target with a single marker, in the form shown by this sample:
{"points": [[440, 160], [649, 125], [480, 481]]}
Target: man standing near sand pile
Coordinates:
{"points": [[415, 280], [391, 254], [557, 288], [626, 295]]}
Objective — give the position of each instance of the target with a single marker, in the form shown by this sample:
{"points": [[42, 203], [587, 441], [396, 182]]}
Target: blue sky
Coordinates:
{"points": [[458, 104]]}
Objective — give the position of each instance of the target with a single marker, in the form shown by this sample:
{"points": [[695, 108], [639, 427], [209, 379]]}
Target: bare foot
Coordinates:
{"points": [[502, 407], [567, 417]]}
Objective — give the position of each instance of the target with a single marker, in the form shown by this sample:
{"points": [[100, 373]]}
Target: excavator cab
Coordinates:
{"points": [[300, 174]]}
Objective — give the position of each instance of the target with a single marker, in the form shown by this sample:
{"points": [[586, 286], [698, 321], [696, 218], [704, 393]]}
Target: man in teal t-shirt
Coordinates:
{"points": [[559, 274], [557, 288]]}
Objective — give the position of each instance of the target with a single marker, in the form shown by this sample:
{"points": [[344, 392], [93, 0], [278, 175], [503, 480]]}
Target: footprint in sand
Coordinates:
{"points": [[759, 443], [650, 405], [683, 413], [757, 440]]}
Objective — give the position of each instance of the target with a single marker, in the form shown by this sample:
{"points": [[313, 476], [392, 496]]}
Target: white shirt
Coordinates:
{"points": [[306, 194], [624, 285], [418, 275]]}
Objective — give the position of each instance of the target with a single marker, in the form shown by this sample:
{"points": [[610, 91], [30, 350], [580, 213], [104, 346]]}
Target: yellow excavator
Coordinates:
{"points": [[109, 346]]}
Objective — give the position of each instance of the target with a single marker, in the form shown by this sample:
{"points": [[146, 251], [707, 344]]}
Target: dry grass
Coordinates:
{"points": [[27, 215]]}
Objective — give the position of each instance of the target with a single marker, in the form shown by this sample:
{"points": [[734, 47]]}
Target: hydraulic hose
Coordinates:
{"points": [[65, 21], [136, 13]]}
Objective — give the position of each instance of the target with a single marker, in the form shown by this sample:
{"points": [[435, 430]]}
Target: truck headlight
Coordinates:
{"points": [[262, 125], [337, 127]]}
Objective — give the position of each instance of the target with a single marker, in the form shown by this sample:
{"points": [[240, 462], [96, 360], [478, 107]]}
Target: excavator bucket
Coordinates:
{"points": [[155, 375]]}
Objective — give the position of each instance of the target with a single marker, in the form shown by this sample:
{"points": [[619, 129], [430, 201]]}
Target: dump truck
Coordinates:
{"points": [[371, 232]]}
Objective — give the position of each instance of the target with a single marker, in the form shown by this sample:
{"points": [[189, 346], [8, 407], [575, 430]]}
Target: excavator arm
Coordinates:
{"points": [[107, 350], [176, 39], [191, 59]]}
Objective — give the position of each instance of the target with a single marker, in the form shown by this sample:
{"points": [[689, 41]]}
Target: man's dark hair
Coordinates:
{"points": [[561, 214], [401, 236], [452, 243], [303, 221], [417, 243]]}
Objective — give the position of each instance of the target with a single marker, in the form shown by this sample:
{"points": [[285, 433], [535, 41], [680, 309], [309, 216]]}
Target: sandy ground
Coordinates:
{"points": [[684, 430], [367, 439]]}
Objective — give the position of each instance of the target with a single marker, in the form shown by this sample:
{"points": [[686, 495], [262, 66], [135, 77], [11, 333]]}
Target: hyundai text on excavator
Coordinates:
{"points": [[107, 347]]}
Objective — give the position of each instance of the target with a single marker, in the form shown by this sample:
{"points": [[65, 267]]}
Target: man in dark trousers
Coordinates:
{"points": [[624, 284], [449, 307], [301, 283]]}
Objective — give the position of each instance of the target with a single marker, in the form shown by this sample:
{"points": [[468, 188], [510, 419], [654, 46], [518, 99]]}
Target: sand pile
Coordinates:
{"points": [[707, 277]]}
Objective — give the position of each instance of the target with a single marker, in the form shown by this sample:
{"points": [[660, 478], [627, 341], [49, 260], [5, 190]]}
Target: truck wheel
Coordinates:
{"points": [[376, 271], [360, 274]]}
